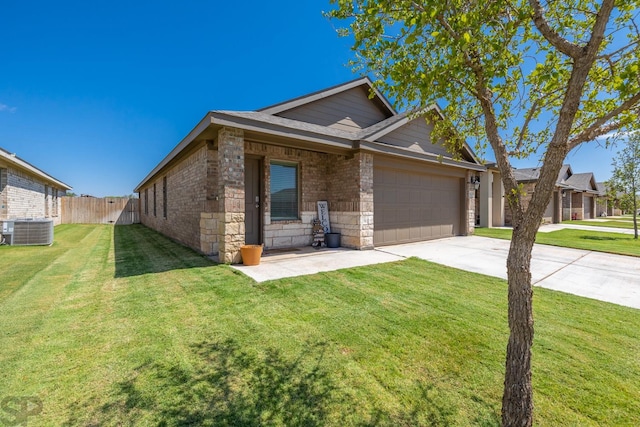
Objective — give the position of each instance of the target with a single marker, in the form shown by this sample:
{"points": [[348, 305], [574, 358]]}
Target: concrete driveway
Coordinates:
{"points": [[611, 278], [606, 277]]}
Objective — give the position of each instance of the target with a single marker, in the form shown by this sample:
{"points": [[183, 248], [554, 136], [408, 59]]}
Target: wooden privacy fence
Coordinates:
{"points": [[92, 210]]}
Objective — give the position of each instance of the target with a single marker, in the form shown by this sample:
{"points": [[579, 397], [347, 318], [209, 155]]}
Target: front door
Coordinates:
{"points": [[252, 201]]}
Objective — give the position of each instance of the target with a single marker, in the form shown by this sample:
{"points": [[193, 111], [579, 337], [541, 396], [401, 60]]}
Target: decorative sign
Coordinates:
{"points": [[323, 215]]}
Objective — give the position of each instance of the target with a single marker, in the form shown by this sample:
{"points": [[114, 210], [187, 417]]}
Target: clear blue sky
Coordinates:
{"points": [[97, 93]]}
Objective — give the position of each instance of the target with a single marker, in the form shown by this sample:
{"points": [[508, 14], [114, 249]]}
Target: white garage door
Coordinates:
{"points": [[411, 206]]}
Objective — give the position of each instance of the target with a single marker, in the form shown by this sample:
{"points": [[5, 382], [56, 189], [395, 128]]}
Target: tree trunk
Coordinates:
{"points": [[517, 400]]}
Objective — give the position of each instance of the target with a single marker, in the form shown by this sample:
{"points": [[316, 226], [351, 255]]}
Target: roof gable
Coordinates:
{"points": [[415, 134], [346, 107], [583, 182]]}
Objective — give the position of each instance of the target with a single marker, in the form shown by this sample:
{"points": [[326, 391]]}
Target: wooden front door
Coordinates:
{"points": [[252, 202]]}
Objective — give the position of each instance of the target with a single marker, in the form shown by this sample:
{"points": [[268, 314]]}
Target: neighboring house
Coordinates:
{"points": [[576, 196], [606, 202], [255, 177], [26, 192]]}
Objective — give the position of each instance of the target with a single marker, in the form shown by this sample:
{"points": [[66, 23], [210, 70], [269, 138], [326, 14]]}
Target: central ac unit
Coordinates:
{"points": [[28, 232]]}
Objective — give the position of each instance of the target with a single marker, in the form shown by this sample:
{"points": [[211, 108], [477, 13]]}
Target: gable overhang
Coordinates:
{"points": [[396, 122], [23, 165], [306, 99], [381, 148]]}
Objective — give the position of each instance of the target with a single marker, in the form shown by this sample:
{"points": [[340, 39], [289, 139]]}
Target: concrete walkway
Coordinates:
{"points": [[606, 277], [548, 228]]}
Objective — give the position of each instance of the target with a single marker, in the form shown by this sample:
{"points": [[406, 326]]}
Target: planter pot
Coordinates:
{"points": [[332, 239], [251, 254]]}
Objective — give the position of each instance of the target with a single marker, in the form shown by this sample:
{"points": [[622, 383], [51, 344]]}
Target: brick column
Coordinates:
{"points": [[231, 194]]}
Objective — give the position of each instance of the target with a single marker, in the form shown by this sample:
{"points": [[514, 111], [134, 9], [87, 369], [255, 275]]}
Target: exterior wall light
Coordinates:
{"points": [[475, 180]]}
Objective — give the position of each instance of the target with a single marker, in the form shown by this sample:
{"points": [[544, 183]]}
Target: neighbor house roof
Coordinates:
{"points": [[526, 174], [265, 123], [602, 188], [576, 181], [582, 182], [19, 163]]}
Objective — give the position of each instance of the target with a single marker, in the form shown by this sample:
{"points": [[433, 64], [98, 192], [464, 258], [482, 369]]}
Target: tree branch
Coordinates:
{"points": [[601, 126], [559, 42]]}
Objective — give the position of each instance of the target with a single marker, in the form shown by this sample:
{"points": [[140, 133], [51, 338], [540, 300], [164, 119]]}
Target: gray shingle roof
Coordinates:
{"points": [[581, 181], [526, 174]]}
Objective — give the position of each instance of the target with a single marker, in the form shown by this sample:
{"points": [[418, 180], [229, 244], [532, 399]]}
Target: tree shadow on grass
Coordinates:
{"points": [[221, 384], [140, 250]]}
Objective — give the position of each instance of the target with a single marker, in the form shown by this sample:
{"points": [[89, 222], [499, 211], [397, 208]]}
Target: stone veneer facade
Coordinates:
{"points": [[205, 196], [23, 195]]}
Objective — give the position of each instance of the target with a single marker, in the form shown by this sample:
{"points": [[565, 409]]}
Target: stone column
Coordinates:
{"points": [[486, 199], [365, 163], [469, 225], [498, 201], [231, 232], [557, 206]]}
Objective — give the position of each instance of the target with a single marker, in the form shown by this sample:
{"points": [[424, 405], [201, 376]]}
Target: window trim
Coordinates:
{"points": [[295, 165]]}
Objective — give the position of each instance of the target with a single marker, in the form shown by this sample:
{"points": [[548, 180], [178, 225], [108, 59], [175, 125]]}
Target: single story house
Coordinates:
{"points": [[256, 177], [27, 192], [576, 196], [607, 203]]}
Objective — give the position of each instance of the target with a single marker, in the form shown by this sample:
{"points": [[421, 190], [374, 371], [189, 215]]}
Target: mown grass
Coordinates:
{"points": [[614, 243], [120, 326]]}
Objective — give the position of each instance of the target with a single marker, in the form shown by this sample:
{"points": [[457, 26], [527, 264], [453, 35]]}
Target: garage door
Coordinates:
{"points": [[411, 206]]}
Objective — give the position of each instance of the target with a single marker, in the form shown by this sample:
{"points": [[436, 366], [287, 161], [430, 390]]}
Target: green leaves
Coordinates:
{"points": [[443, 52]]}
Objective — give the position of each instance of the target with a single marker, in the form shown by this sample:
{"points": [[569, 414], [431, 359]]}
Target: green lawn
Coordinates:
{"points": [[120, 326], [615, 243]]}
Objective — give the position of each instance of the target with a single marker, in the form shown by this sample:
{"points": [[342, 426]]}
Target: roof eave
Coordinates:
{"points": [[23, 164], [215, 118], [381, 148], [191, 136]]}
